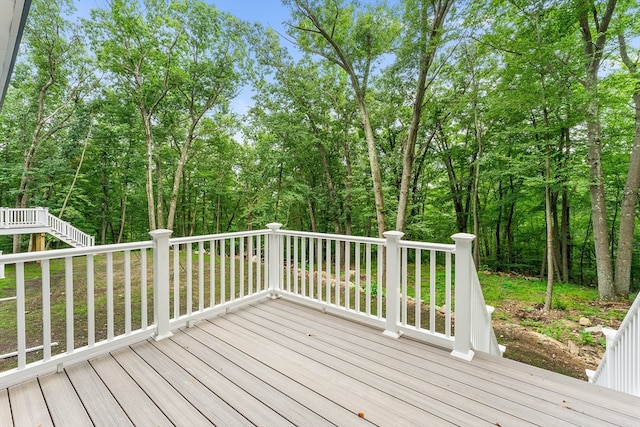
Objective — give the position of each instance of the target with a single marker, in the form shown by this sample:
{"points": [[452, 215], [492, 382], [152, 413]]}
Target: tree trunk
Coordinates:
{"points": [[75, 176], [159, 198], [476, 184], [508, 227], [565, 229], [184, 152], [335, 216], [123, 217], [218, 209], [146, 120], [345, 63], [565, 238], [375, 166], [312, 215], [428, 47], [630, 192], [593, 49], [348, 183], [606, 289], [457, 192], [498, 231], [549, 224]]}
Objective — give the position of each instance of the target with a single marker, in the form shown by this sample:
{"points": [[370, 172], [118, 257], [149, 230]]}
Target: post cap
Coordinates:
{"points": [[160, 233], [462, 237], [393, 234]]}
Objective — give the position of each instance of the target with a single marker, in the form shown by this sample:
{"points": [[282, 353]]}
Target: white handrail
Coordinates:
{"points": [[483, 337], [619, 369]]}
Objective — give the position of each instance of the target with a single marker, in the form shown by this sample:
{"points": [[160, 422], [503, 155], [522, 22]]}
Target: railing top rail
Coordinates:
{"points": [[61, 253], [328, 236], [193, 239], [442, 247], [23, 209], [635, 307]]}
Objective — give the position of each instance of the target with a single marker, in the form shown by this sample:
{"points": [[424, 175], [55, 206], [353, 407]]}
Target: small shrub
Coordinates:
{"points": [[559, 304], [531, 323], [554, 332], [586, 338]]}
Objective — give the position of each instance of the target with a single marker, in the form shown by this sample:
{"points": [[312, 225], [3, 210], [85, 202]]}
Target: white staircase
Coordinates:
{"points": [[39, 220]]}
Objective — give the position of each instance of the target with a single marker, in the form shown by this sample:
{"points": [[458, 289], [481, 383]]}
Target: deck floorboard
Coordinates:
{"points": [[64, 406], [100, 404], [135, 401], [28, 406], [280, 363], [5, 409]]}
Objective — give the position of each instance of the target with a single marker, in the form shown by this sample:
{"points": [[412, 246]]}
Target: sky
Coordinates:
{"points": [[269, 12]]}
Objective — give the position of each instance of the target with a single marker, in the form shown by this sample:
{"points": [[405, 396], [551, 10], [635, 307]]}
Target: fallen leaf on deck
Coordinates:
{"points": [[564, 405]]}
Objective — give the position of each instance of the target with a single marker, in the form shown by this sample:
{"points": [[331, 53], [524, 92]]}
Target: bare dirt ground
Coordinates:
{"points": [[577, 348]]}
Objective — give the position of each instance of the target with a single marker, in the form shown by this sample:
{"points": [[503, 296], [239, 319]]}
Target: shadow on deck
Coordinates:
{"points": [[278, 363]]}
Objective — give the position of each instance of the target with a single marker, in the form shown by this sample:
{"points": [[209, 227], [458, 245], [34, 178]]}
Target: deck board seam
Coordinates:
{"points": [[170, 357], [75, 390], [126, 372]]}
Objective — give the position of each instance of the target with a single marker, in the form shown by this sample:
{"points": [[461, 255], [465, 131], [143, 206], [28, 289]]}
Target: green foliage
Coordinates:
{"points": [[586, 338]]}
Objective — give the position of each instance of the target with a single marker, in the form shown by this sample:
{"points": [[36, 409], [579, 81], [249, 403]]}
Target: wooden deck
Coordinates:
{"points": [[277, 363]]}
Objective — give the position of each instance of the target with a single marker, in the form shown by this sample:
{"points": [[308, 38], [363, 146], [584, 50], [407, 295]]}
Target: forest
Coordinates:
{"points": [[515, 120]]}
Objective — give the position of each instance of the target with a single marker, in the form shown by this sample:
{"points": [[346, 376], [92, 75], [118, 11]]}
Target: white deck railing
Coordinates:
{"points": [[16, 218], [350, 276], [619, 369], [105, 297]]}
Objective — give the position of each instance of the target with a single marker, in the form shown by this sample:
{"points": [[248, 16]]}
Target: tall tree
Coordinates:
{"points": [[213, 65], [138, 47], [353, 40], [632, 184], [424, 37], [52, 88], [594, 25]]}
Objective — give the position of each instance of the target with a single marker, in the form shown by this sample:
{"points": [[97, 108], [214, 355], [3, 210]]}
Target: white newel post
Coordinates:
{"points": [[462, 339], [42, 216], [393, 283], [610, 355], [274, 259], [161, 283]]}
